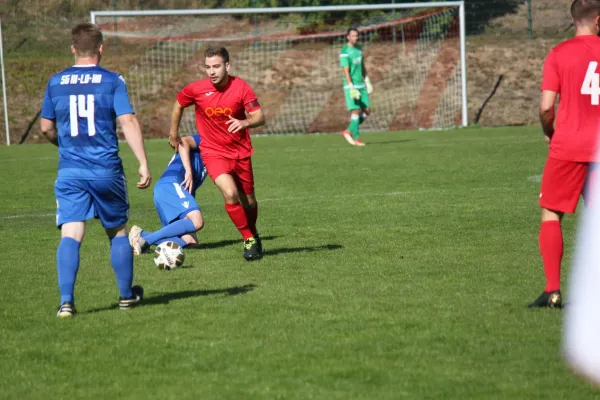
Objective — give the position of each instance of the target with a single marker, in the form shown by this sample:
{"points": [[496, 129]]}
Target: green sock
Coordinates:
{"points": [[353, 127]]}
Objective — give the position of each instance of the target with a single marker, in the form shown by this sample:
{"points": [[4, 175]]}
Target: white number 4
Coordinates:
{"points": [[78, 109], [591, 83]]}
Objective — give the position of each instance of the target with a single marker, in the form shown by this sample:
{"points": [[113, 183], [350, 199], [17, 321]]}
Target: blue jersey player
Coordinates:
{"points": [[174, 199], [79, 112]]}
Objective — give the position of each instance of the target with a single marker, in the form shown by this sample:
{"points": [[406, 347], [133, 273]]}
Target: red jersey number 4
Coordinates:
{"points": [[591, 83]]}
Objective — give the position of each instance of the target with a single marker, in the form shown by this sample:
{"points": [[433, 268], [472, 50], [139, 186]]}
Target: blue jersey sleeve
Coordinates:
{"points": [[47, 105], [121, 102], [197, 141]]}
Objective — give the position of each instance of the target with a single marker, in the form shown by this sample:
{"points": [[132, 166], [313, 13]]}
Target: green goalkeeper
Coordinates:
{"points": [[357, 86]]}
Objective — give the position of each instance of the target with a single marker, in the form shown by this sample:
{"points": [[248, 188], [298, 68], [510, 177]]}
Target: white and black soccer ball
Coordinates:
{"points": [[168, 255]]}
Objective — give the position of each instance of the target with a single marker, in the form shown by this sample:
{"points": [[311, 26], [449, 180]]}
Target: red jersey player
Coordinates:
{"points": [[571, 71], [226, 107]]}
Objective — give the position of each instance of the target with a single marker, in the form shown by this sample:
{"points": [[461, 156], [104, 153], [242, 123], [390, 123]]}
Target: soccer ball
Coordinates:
{"points": [[168, 255]]}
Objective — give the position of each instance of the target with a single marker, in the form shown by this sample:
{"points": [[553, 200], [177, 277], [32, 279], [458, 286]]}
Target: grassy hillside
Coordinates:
{"points": [[37, 44]]}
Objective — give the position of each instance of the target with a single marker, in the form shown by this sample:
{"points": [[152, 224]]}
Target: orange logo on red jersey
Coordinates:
{"points": [[217, 112]]}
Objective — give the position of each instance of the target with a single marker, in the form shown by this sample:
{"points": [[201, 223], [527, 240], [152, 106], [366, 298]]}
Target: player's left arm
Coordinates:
{"points": [[550, 88], [48, 128], [547, 113], [131, 129], [255, 119], [367, 80], [255, 116]]}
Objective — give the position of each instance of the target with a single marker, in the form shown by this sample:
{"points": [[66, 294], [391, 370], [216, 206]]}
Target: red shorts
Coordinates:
{"points": [[240, 169], [563, 183]]}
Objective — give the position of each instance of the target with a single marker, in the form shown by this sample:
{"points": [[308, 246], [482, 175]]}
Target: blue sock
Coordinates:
{"points": [[121, 259], [67, 264], [174, 229], [175, 239]]}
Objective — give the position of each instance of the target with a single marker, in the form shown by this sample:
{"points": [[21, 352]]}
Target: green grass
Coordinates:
{"points": [[399, 270]]}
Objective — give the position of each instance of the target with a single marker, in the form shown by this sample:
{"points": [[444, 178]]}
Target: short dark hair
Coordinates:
{"points": [[217, 51], [87, 39], [352, 28], [582, 10]]}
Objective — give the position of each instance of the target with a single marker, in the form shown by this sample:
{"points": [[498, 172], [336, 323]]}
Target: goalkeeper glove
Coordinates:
{"points": [[354, 93], [369, 85]]}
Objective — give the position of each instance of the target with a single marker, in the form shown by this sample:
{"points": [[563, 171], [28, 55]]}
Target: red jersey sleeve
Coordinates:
{"points": [[550, 77], [249, 98], [186, 96]]}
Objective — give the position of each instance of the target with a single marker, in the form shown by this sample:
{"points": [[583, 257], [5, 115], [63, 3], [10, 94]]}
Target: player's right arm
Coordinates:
{"points": [[347, 76], [48, 120], [48, 128], [547, 113], [354, 93], [550, 89], [185, 147], [185, 98], [176, 114], [345, 64]]}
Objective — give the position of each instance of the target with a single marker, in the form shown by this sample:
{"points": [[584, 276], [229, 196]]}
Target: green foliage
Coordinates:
{"points": [[250, 3], [323, 21], [50, 12], [477, 13]]}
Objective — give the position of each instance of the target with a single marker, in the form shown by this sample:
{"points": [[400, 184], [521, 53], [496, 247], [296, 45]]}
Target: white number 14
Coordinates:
{"points": [[591, 83], [78, 109]]}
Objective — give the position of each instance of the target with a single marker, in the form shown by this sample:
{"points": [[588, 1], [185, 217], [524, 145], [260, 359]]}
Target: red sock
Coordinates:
{"points": [[551, 247], [238, 216], [252, 215]]}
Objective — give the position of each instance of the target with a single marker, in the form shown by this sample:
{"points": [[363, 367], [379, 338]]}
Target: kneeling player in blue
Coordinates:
{"points": [[174, 199]]}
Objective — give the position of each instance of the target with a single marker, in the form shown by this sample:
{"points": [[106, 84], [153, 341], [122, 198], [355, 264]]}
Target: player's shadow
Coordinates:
{"points": [[306, 249], [185, 266], [389, 142], [165, 298], [224, 243]]}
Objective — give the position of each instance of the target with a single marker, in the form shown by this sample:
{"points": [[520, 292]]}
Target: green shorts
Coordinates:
{"points": [[359, 104]]}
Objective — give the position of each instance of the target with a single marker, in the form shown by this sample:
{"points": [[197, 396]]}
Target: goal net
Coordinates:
{"points": [[414, 59]]}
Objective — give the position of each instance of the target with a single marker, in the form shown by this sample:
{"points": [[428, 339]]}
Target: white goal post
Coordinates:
{"points": [[415, 55], [4, 98]]}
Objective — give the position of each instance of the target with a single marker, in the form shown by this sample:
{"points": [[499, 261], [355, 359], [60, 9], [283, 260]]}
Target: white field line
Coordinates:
{"points": [[286, 199], [6, 160], [311, 198]]}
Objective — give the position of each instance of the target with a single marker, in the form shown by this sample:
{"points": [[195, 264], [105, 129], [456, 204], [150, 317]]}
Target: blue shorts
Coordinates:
{"points": [[172, 202], [79, 200]]}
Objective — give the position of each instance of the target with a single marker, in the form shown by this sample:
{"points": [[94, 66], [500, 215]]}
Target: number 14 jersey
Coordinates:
{"points": [[85, 101], [571, 70]]}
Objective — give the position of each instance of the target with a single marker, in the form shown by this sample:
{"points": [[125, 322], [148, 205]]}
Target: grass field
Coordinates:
{"points": [[395, 271]]}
